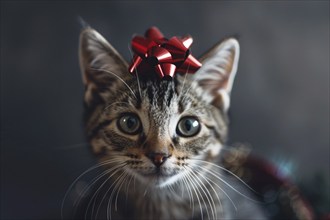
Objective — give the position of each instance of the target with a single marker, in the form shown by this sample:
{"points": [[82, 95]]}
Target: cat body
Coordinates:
{"points": [[159, 141]]}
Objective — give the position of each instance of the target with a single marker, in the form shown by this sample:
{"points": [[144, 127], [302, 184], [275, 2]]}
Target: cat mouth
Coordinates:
{"points": [[161, 173]]}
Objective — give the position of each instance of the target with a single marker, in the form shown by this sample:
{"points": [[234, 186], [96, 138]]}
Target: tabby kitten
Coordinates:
{"points": [[159, 141]]}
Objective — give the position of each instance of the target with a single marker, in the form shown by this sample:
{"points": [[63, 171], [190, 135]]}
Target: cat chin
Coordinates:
{"points": [[157, 180], [162, 182]]}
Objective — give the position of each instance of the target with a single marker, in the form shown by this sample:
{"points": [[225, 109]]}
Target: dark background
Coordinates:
{"points": [[280, 99]]}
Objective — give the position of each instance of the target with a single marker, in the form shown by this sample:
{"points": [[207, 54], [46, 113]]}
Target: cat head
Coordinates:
{"points": [[155, 130]]}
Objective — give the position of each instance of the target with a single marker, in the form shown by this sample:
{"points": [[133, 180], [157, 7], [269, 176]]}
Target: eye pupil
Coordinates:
{"points": [[131, 122], [188, 125]]}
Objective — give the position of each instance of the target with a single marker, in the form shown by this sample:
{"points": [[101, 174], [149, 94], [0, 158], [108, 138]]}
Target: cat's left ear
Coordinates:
{"points": [[101, 66], [216, 76]]}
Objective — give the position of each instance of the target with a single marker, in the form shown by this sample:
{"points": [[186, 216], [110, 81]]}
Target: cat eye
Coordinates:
{"points": [[129, 124], [188, 127]]}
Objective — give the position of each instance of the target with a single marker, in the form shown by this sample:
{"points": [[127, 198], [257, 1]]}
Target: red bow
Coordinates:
{"points": [[155, 52]]}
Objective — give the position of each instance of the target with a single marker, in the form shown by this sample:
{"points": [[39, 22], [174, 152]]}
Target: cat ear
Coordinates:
{"points": [[216, 76], [101, 65]]}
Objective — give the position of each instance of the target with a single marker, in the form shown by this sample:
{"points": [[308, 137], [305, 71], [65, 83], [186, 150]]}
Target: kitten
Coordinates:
{"points": [[160, 141]]}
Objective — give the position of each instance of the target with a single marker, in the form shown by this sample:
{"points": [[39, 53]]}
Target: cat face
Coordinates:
{"points": [[155, 130]]}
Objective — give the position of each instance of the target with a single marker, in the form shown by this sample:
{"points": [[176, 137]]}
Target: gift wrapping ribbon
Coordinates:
{"points": [[164, 56]]}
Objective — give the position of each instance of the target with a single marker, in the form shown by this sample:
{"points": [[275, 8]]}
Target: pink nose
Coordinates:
{"points": [[158, 158]]}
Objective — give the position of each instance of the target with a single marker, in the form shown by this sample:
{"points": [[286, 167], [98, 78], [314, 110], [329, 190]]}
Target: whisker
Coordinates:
{"points": [[127, 188], [77, 179], [172, 190], [88, 186], [208, 182], [110, 72], [117, 169], [147, 188], [93, 198], [136, 73], [192, 84], [121, 184], [231, 173], [117, 184], [94, 201], [227, 184], [206, 193], [197, 193], [180, 184], [116, 103], [185, 181], [224, 192], [184, 80]]}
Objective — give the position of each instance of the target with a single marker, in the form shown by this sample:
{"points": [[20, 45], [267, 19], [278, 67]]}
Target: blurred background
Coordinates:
{"points": [[280, 99]]}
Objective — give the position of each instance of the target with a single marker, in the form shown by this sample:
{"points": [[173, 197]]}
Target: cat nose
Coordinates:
{"points": [[158, 158]]}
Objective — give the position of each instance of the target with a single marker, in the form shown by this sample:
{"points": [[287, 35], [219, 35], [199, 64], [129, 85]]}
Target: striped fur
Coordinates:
{"points": [[189, 184]]}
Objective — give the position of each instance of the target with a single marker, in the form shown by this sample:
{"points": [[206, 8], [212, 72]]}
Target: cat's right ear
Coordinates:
{"points": [[217, 74], [101, 66]]}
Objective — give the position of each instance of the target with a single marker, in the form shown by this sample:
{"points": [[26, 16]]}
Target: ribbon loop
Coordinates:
{"points": [[154, 34], [159, 54]]}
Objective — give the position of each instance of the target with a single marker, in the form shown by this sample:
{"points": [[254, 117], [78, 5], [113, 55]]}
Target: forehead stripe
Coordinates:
{"points": [[169, 97]]}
